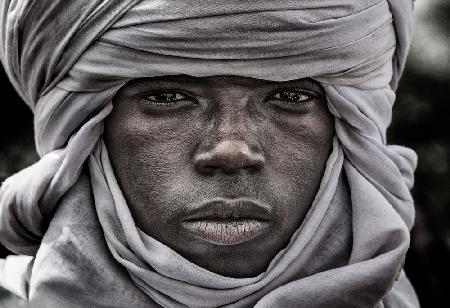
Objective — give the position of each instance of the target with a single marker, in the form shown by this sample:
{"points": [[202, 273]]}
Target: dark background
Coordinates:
{"points": [[421, 121]]}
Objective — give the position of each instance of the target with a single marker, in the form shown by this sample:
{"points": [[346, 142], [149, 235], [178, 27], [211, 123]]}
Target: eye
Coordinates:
{"points": [[166, 101], [293, 96], [165, 97], [298, 101]]}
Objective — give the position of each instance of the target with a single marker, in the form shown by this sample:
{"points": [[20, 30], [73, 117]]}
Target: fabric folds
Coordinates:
{"points": [[68, 59]]}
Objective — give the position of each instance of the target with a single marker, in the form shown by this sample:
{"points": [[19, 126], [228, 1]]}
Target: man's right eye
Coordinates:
{"points": [[166, 101], [165, 98]]}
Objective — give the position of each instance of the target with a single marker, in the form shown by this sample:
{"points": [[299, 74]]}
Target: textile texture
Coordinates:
{"points": [[67, 59]]}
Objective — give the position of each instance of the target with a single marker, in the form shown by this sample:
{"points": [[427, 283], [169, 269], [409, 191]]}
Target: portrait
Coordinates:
{"points": [[208, 154]]}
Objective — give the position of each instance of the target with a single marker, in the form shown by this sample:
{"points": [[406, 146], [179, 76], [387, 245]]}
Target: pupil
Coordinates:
{"points": [[291, 96], [166, 97]]}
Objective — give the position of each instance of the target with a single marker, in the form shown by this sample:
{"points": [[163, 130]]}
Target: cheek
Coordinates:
{"points": [[147, 155], [302, 142], [299, 149]]}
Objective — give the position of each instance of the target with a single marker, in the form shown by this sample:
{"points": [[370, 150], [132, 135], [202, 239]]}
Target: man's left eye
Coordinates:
{"points": [[166, 97], [296, 101], [293, 96]]}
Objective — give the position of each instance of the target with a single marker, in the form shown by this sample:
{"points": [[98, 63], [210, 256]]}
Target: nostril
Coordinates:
{"points": [[250, 169], [206, 169], [255, 164]]}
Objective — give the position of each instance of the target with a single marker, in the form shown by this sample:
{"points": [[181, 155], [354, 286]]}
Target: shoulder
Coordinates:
{"points": [[75, 267], [8, 300]]}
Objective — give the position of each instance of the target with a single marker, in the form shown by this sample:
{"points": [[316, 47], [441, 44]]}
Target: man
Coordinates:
{"points": [[210, 154]]}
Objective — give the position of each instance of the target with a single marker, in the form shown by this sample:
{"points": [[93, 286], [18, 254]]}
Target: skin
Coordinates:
{"points": [[176, 141]]}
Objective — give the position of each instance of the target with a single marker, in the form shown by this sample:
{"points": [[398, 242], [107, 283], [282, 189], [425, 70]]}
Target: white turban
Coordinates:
{"points": [[67, 59]]}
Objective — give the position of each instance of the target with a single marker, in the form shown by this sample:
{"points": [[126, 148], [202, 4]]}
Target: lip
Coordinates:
{"points": [[228, 221]]}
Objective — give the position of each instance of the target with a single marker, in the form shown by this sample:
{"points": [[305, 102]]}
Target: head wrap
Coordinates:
{"points": [[67, 59]]}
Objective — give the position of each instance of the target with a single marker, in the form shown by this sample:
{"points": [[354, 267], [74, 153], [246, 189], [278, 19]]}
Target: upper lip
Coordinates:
{"points": [[229, 210]]}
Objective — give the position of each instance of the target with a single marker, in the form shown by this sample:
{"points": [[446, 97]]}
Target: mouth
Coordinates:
{"points": [[228, 221]]}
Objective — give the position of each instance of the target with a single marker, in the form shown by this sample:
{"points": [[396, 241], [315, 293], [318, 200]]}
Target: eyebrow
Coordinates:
{"points": [[192, 81], [164, 79]]}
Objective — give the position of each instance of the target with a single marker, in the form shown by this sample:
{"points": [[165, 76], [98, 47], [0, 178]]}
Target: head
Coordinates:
{"points": [[222, 169]]}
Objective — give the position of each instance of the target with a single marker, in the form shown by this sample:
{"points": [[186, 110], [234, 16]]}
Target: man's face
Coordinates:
{"points": [[221, 169]]}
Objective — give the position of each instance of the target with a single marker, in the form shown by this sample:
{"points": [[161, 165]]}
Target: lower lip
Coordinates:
{"points": [[227, 232]]}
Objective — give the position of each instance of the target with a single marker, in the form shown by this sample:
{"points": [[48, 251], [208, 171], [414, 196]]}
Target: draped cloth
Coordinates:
{"points": [[67, 59]]}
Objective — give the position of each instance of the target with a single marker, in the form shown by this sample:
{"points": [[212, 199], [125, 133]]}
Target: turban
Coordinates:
{"points": [[67, 59]]}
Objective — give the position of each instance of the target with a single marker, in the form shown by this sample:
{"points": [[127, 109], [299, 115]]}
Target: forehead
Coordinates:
{"points": [[217, 82]]}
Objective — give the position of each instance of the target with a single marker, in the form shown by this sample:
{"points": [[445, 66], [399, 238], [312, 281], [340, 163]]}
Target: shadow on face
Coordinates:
{"points": [[222, 169]]}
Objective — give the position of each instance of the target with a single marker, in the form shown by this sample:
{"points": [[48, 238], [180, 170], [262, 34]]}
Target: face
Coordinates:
{"points": [[221, 169]]}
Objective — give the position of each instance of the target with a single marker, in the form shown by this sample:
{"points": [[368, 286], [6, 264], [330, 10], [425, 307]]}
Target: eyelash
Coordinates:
{"points": [[181, 97], [289, 100], [293, 93], [277, 95]]}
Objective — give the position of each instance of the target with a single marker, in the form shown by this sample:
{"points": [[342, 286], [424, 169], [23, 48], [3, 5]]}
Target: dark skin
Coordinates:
{"points": [[176, 141]]}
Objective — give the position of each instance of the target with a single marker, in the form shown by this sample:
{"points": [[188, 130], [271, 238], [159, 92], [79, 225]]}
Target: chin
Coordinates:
{"points": [[243, 260]]}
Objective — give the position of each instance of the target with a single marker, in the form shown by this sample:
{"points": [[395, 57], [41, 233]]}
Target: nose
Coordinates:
{"points": [[230, 157]]}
